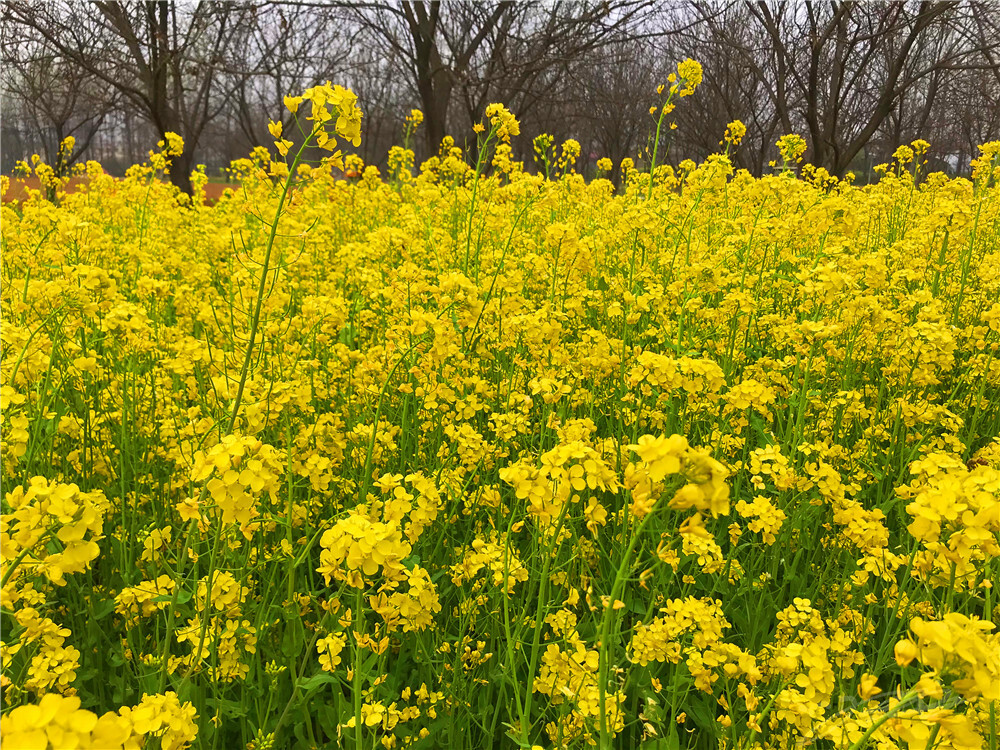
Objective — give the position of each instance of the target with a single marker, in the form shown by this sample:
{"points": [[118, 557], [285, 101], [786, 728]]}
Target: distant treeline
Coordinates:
{"points": [[855, 79]]}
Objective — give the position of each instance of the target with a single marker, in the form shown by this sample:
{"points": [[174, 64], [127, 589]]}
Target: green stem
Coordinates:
{"points": [[882, 720], [17, 560], [656, 145], [550, 551], [604, 666], [255, 324], [356, 687], [475, 190], [763, 714], [265, 267]]}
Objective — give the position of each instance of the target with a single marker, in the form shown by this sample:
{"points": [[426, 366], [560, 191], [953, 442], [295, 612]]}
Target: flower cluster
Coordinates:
{"points": [[962, 648], [568, 676], [956, 518], [236, 472], [660, 457], [568, 469], [356, 549], [56, 512], [503, 121], [58, 722], [766, 519], [502, 564], [660, 639]]}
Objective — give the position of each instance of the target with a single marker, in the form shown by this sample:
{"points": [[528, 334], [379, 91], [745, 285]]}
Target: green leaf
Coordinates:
{"points": [[369, 663], [104, 609], [226, 707], [670, 742], [328, 717], [308, 684], [294, 636], [701, 712], [300, 735]]}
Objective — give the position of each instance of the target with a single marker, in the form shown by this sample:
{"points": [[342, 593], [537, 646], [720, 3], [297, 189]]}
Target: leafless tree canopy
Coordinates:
{"points": [[855, 78]]}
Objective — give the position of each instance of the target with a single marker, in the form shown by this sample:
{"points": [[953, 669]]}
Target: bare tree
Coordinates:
{"points": [[164, 58], [842, 71], [471, 53], [56, 98], [855, 78], [614, 91], [288, 48]]}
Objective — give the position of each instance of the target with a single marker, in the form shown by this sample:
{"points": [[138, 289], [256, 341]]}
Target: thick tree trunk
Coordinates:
{"points": [[180, 171], [435, 105]]}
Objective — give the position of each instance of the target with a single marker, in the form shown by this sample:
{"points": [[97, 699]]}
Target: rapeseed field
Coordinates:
{"points": [[465, 455]]}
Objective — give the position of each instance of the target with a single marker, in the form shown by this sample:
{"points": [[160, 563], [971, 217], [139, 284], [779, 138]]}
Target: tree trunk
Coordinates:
{"points": [[435, 105], [180, 171]]}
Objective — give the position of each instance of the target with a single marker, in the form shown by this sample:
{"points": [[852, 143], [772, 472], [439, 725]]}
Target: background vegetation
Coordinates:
{"points": [[856, 79]]}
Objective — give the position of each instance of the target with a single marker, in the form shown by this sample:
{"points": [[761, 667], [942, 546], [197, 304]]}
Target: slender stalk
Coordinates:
{"points": [[235, 409], [882, 720], [608, 615]]}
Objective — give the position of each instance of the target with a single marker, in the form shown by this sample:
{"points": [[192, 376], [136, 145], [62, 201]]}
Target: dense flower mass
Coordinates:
{"points": [[472, 456]]}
